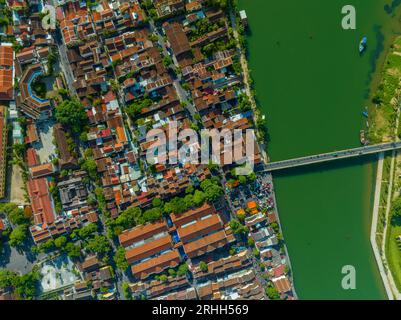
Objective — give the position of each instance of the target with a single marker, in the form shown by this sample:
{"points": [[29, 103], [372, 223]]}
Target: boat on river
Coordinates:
{"points": [[362, 138], [362, 44]]}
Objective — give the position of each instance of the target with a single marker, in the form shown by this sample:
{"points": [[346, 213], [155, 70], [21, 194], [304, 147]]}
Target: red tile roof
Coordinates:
{"points": [[170, 259], [6, 72], [31, 157], [149, 249], [40, 200], [139, 233]]}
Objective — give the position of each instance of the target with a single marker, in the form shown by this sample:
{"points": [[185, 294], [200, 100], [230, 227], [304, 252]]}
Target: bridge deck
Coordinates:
{"points": [[325, 157]]}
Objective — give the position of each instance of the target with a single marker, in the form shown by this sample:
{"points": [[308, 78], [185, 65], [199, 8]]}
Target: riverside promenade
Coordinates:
{"points": [[388, 281]]}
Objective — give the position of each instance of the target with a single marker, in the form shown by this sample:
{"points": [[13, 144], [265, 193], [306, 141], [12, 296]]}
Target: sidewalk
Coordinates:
{"points": [[387, 278]]}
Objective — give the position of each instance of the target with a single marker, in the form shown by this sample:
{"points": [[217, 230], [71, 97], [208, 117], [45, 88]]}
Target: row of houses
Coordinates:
{"points": [[228, 278], [266, 242], [153, 248]]}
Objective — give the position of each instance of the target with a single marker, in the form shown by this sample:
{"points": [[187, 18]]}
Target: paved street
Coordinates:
{"points": [[64, 64]]}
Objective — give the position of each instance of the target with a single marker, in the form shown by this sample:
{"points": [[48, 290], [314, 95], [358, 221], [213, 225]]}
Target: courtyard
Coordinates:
{"points": [[58, 273]]}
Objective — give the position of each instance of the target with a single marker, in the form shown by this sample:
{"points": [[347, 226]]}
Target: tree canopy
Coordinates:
{"points": [[272, 293], [71, 113], [203, 266], [120, 260], [238, 228], [90, 167], [212, 190], [18, 236], [72, 250], [25, 286], [396, 208]]}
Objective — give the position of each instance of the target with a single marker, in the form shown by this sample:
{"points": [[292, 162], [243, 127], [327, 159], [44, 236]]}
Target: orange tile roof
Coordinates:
{"points": [[200, 228], [282, 284], [40, 200], [44, 169], [206, 244], [6, 56], [149, 249], [6, 84], [183, 218], [252, 204], [141, 232], [170, 259]]}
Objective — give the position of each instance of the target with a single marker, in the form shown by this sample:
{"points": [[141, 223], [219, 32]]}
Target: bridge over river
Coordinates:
{"points": [[330, 156]]}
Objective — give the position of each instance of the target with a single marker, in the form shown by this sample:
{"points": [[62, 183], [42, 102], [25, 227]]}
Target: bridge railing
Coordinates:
{"points": [[324, 157]]}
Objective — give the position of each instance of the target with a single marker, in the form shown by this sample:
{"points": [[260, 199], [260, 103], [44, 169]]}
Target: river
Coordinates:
{"points": [[312, 85]]}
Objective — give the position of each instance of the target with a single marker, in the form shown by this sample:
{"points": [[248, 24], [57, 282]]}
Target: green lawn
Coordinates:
{"points": [[393, 250], [383, 198], [383, 117]]}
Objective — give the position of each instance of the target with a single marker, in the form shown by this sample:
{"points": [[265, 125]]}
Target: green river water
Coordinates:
{"points": [[312, 85]]}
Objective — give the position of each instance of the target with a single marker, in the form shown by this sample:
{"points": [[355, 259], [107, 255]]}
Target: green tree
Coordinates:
{"points": [[126, 291], [396, 208], [47, 246], [190, 189], [182, 269], [90, 167], [272, 293], [212, 190], [252, 176], [126, 220], [18, 236], [19, 149], [242, 179], [26, 286], [172, 272], [203, 266], [199, 198], [87, 231], [189, 200], [135, 109], [167, 61], [71, 113], [212, 166], [238, 228], [6, 278], [15, 215], [72, 250], [60, 242], [120, 260], [176, 205], [151, 215], [157, 202], [99, 245], [251, 242]]}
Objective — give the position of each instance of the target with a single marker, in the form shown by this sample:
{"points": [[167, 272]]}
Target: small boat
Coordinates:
{"points": [[362, 138], [362, 44], [365, 114]]}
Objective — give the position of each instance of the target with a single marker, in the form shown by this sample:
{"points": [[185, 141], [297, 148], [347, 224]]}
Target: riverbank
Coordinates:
{"points": [[384, 119], [256, 118], [373, 234]]}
